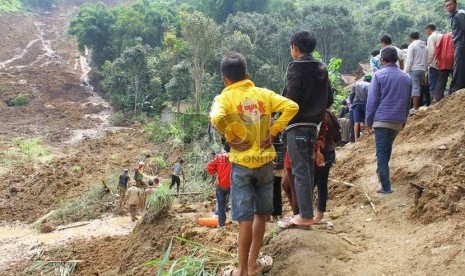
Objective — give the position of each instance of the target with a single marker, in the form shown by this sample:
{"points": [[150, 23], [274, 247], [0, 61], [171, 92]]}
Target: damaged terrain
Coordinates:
{"points": [[56, 145]]}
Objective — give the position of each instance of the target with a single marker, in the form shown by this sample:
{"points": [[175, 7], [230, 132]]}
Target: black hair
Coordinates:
{"points": [[234, 67], [181, 161], [305, 41], [403, 46], [414, 35], [389, 54], [150, 183], [431, 26], [344, 102], [453, 1], [386, 39], [374, 53]]}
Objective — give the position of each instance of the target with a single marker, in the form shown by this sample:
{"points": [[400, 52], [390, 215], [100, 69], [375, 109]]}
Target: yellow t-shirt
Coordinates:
{"points": [[244, 111]]}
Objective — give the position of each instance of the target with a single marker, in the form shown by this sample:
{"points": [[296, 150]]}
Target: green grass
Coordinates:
{"points": [[10, 6], [161, 199], [202, 261], [20, 100], [87, 206], [33, 147]]}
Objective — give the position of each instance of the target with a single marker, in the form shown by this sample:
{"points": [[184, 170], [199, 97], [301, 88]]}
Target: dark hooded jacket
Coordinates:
{"points": [[307, 84]]}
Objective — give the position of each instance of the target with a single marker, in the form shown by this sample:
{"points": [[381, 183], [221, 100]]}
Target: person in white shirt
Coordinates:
{"points": [[433, 39]]}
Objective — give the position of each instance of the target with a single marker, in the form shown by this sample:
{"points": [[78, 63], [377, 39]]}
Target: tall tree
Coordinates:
{"points": [[93, 28], [201, 34]]}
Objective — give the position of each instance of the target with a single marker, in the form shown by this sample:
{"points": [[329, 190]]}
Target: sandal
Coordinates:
{"points": [[289, 224], [228, 272], [265, 263], [380, 190]]}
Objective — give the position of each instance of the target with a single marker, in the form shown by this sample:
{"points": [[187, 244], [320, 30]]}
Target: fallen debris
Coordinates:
{"points": [[348, 240]]}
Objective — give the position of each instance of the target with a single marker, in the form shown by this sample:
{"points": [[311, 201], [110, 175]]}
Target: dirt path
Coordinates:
{"points": [[20, 243]]}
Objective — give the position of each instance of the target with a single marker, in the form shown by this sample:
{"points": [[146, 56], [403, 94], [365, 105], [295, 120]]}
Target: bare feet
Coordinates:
{"points": [[319, 217]]}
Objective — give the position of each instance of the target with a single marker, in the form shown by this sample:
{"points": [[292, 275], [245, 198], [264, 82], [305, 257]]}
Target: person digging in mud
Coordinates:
{"points": [[122, 186], [134, 198], [139, 175], [242, 113], [177, 169]]}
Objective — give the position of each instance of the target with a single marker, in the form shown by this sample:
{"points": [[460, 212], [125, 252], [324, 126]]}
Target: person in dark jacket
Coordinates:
{"points": [[307, 84], [387, 110], [457, 19], [344, 109]]}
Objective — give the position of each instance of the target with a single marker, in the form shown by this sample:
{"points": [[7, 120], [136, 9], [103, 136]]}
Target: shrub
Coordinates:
{"points": [[20, 100], [117, 119], [31, 147]]}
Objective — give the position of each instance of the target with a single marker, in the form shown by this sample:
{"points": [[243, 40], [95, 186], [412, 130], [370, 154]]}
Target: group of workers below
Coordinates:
{"points": [[136, 195]]}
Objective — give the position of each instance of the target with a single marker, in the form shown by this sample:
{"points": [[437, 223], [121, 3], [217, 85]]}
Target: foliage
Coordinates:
{"points": [[117, 119], [203, 260], [19, 100], [184, 129], [86, 206], [149, 52], [161, 199], [10, 6], [33, 147]]}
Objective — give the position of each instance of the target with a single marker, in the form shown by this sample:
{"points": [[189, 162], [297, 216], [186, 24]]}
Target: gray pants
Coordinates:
{"points": [[300, 145]]}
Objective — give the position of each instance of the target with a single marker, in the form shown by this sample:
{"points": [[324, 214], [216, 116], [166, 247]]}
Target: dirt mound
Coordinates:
{"points": [[38, 190], [429, 152]]}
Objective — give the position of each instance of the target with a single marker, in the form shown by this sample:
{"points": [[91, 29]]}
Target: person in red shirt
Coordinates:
{"points": [[221, 166], [288, 184], [444, 55]]}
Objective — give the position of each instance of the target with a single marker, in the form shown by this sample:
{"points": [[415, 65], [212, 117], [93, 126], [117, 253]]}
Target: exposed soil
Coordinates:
{"points": [[411, 234]]}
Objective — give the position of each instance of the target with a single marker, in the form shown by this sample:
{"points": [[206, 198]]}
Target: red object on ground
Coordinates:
{"points": [[209, 222]]}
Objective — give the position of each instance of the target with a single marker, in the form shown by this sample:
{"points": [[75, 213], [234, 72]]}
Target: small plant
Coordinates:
{"points": [[31, 147], [117, 119], [161, 199], [203, 260], [115, 157], [19, 100], [76, 169]]}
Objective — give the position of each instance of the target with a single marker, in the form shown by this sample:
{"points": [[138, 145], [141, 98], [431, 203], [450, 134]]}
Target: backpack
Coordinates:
{"points": [[335, 127]]}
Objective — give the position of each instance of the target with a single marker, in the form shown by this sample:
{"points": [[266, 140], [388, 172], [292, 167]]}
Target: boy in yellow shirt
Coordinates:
{"points": [[242, 113]]}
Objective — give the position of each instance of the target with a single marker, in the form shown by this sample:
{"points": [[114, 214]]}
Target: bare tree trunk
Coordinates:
{"points": [[136, 88], [198, 83]]}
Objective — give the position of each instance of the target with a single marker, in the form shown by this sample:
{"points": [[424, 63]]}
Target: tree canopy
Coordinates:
{"points": [[152, 51]]}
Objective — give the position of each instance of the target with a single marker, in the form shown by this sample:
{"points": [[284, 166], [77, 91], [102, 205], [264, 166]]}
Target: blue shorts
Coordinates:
{"points": [[359, 113], [251, 191]]}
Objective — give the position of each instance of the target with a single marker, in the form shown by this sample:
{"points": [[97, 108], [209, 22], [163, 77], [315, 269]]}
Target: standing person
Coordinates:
{"points": [[177, 170], [387, 110], [433, 40], [457, 20], [359, 98], [386, 41], [375, 63], [287, 183], [445, 60], [330, 133], [344, 110], [278, 171], [147, 192], [139, 175], [416, 65], [221, 166], [242, 112], [134, 198], [307, 83], [122, 186]]}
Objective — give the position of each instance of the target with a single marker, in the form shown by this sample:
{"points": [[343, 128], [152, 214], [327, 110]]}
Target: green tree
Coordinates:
{"points": [[201, 34], [93, 28]]}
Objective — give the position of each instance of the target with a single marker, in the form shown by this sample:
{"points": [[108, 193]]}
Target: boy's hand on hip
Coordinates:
{"points": [[239, 144]]}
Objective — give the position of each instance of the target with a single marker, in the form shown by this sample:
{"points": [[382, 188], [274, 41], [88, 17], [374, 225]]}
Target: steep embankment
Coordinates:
{"points": [[410, 234]]}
